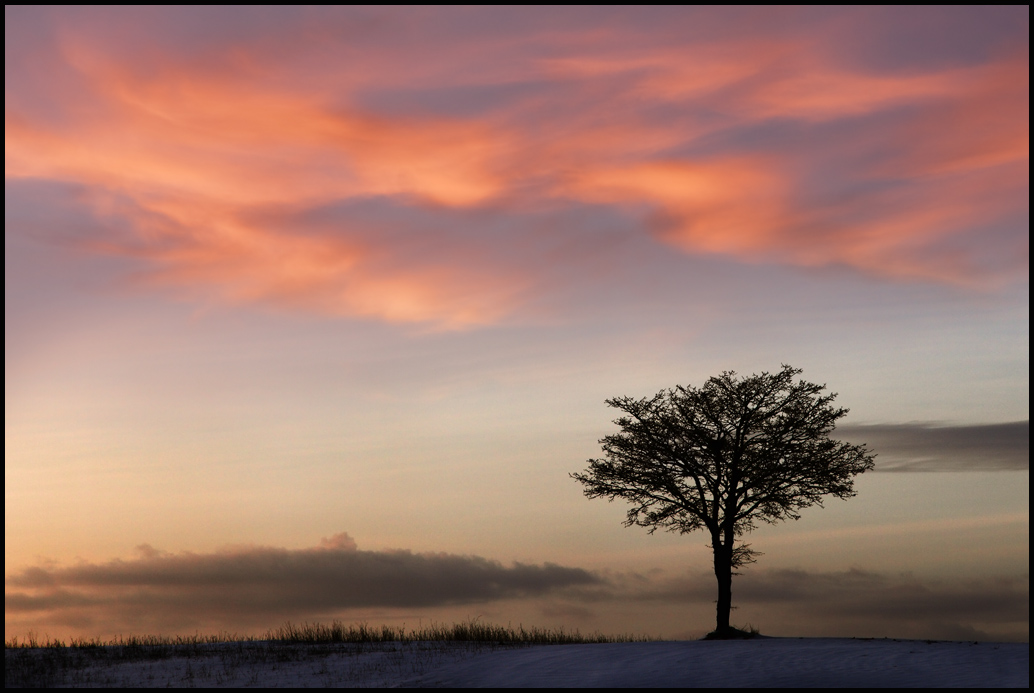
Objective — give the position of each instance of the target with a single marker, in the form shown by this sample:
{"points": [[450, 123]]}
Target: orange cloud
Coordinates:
{"points": [[200, 158], [703, 203], [214, 165], [954, 164]]}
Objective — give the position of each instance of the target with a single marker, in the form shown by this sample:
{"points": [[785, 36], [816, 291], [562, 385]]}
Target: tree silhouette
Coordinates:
{"points": [[722, 457]]}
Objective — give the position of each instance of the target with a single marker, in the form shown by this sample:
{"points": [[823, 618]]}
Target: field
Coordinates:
{"points": [[481, 655]]}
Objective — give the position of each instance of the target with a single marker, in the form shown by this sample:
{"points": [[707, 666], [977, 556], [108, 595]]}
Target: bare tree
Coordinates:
{"points": [[722, 457]]}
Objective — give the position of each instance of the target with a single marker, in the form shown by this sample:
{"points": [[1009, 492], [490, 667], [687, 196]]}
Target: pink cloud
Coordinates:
{"points": [[211, 159]]}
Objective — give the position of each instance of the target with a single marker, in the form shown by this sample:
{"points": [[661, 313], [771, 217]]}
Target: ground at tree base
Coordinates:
{"points": [[733, 634]]}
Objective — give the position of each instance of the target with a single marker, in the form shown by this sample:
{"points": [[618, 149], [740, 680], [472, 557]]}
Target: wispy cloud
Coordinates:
{"points": [[214, 157]]}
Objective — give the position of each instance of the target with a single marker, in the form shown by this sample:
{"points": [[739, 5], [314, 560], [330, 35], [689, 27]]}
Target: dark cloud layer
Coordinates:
{"points": [[855, 602], [280, 583], [257, 587], [918, 447]]}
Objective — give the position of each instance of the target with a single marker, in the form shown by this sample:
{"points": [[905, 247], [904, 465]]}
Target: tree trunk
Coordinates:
{"points": [[723, 571]]}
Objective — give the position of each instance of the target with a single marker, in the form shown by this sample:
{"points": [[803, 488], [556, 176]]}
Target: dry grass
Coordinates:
{"points": [[469, 631], [472, 630], [223, 659]]}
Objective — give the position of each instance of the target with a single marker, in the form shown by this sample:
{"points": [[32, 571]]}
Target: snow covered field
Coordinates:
{"points": [[804, 662]]}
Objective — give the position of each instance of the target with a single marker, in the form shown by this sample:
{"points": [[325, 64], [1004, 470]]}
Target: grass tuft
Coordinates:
{"points": [[472, 630]]}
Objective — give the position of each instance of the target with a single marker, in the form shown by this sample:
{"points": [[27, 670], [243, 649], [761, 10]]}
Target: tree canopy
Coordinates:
{"points": [[723, 457]]}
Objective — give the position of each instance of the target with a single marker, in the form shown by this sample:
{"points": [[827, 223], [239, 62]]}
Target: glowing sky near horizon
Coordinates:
{"points": [[282, 274]]}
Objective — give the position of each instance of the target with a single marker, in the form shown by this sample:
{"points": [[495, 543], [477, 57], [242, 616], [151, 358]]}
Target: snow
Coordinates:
{"points": [[763, 662], [769, 662]]}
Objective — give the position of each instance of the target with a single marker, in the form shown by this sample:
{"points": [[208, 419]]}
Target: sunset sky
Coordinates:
{"points": [[310, 313]]}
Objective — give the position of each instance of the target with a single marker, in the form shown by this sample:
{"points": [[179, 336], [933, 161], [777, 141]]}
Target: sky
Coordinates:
{"points": [[310, 313]]}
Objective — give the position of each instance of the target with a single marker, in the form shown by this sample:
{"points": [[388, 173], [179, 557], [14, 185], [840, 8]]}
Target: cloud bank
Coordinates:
{"points": [[422, 165], [260, 587], [276, 582], [859, 602], [917, 447]]}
